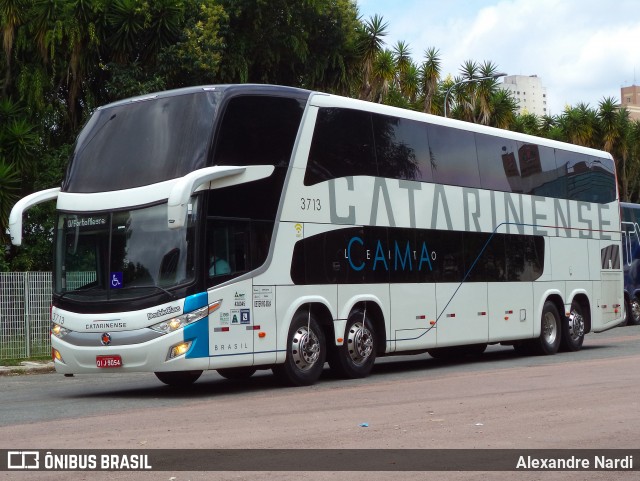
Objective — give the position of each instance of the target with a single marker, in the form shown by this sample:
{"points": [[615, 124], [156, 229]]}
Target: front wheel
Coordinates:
{"points": [[573, 329], [549, 340], [355, 358], [178, 378], [306, 352]]}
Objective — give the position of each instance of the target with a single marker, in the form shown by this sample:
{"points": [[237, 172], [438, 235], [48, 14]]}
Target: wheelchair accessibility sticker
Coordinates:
{"points": [[116, 280]]}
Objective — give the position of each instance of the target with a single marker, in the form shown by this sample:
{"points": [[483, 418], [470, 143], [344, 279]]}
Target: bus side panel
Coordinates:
{"points": [[462, 313], [511, 314], [231, 326], [569, 259], [413, 308], [265, 323]]}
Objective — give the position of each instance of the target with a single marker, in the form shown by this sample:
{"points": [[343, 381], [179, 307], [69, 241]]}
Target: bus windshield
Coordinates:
{"points": [[122, 254]]}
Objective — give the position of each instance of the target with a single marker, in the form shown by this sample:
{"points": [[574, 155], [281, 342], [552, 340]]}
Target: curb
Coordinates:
{"points": [[27, 367]]}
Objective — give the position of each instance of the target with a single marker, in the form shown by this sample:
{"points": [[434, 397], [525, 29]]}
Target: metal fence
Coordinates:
{"points": [[25, 298]]}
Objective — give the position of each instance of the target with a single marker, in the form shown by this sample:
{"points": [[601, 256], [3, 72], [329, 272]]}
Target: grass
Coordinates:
{"points": [[14, 346], [17, 362]]}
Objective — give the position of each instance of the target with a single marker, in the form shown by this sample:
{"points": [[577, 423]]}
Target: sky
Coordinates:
{"points": [[582, 50]]}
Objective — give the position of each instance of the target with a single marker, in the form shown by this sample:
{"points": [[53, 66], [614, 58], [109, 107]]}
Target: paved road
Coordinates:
{"points": [[589, 399]]}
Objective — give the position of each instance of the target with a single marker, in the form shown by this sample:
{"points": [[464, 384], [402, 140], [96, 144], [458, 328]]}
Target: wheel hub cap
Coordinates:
{"points": [[305, 348], [359, 343], [576, 325], [549, 328]]}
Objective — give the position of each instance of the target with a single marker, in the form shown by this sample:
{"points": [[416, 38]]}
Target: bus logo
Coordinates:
{"points": [[105, 339]]}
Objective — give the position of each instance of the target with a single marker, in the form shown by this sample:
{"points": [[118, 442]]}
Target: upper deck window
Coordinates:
{"points": [[144, 142]]}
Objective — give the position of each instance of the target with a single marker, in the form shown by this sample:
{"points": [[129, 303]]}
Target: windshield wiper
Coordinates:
{"points": [[75, 291], [173, 296]]}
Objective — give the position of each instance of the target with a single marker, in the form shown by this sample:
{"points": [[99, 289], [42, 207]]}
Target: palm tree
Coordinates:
{"points": [[608, 120], [464, 93], [402, 59], [382, 76], [12, 14], [411, 83], [371, 44], [526, 123], [503, 109], [578, 124], [9, 190], [484, 92], [430, 76]]}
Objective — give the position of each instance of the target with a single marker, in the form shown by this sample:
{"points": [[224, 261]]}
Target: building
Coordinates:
{"points": [[630, 98], [529, 93]]}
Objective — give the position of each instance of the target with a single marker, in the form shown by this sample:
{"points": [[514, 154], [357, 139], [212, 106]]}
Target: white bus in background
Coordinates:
{"points": [[246, 227]]}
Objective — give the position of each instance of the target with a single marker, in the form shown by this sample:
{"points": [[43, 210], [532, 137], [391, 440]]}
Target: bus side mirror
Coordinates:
{"points": [[219, 176], [15, 217]]}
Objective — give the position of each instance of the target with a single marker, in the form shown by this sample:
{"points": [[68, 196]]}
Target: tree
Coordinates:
{"points": [[12, 14], [430, 76], [370, 46], [9, 189], [285, 42]]}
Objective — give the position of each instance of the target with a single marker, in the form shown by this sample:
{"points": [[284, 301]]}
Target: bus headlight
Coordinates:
{"points": [[59, 331], [179, 349], [171, 325]]}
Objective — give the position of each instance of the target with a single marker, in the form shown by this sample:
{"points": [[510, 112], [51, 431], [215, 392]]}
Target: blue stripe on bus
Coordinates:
{"points": [[195, 301], [198, 332]]}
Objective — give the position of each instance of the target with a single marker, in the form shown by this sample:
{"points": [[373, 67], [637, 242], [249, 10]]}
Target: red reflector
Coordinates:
{"points": [[508, 312], [451, 315], [256, 328], [482, 313], [421, 317], [225, 329]]}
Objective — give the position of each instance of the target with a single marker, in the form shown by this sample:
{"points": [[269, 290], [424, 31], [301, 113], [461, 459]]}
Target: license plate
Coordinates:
{"points": [[108, 361]]}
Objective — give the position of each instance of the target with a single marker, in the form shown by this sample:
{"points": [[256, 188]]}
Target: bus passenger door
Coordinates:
{"points": [[232, 325]]}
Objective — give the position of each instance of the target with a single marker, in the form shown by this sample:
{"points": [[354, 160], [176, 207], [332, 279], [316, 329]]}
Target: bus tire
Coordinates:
{"points": [[627, 312], [306, 352], [573, 329], [524, 348], [237, 373], [355, 358], [550, 332], [633, 317], [178, 378]]}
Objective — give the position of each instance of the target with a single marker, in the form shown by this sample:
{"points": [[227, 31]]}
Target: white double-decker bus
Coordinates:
{"points": [[246, 227]]}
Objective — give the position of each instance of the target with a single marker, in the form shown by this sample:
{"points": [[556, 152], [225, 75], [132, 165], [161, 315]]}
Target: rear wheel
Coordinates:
{"points": [[573, 329], [236, 373], [550, 334], [355, 358], [178, 378], [633, 318], [306, 352]]}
